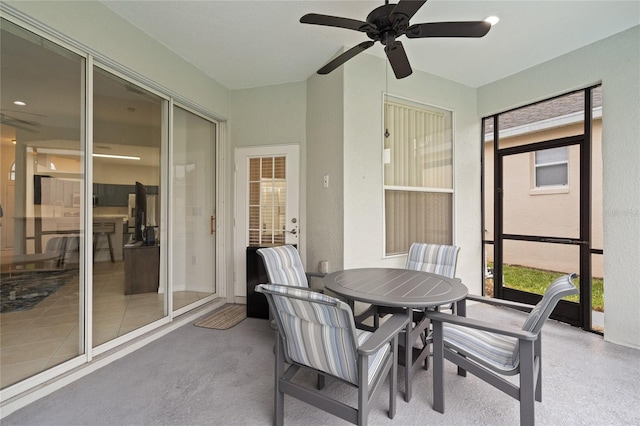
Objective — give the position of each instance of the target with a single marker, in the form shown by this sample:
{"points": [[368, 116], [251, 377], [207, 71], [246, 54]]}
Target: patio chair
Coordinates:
{"points": [[435, 258], [317, 332], [490, 351], [284, 266]]}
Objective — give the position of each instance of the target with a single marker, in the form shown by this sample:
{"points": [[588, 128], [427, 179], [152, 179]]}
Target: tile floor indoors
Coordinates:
{"points": [[36, 339]]}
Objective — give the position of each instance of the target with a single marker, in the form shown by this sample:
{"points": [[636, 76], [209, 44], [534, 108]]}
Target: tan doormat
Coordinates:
{"points": [[224, 318]]}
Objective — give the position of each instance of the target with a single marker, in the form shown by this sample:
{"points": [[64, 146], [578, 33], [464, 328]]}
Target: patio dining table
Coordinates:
{"points": [[400, 288]]}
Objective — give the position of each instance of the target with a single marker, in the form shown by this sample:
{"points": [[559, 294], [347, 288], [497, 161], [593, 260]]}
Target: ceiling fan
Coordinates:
{"points": [[386, 24]]}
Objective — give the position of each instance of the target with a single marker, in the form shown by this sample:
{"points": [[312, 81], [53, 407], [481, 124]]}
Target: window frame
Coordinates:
{"points": [[416, 189], [536, 165]]}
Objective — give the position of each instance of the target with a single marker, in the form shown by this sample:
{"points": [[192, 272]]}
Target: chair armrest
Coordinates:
{"points": [[315, 274], [500, 302], [315, 290], [481, 325], [383, 334]]}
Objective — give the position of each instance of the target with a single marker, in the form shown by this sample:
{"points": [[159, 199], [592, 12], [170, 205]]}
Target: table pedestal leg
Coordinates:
{"points": [[408, 356]]}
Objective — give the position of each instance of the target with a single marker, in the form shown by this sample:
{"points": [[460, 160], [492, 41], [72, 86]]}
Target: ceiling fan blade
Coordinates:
{"points": [[398, 60], [336, 21], [335, 63], [449, 29], [407, 8]]}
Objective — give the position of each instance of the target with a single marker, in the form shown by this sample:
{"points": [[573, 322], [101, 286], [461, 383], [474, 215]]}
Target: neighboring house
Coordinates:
{"points": [[542, 187]]}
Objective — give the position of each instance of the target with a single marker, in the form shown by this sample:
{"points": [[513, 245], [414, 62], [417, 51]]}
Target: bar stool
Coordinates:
{"points": [[105, 229]]}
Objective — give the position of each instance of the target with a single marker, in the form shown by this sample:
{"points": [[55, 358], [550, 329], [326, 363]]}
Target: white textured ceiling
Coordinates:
{"points": [[244, 44]]}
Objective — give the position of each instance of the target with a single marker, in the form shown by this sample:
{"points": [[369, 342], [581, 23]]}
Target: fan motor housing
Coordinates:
{"points": [[388, 26]]}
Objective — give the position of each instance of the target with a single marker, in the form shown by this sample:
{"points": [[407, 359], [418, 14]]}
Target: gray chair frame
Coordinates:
{"points": [[529, 368], [387, 333]]}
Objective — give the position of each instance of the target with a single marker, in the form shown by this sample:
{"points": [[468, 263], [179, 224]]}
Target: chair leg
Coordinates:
{"points": [[363, 390], [527, 408], [393, 386], [460, 308], [279, 395], [438, 368], [376, 318], [537, 356], [321, 381]]}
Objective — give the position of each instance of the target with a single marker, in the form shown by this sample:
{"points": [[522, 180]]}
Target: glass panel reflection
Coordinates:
{"points": [[128, 123], [193, 203], [41, 231]]}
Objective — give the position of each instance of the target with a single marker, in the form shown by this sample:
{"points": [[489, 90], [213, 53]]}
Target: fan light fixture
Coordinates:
{"points": [[492, 20]]}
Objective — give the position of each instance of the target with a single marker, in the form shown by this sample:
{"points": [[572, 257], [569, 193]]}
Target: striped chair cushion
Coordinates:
{"points": [[319, 332], [284, 266], [500, 353], [558, 289], [435, 258]]}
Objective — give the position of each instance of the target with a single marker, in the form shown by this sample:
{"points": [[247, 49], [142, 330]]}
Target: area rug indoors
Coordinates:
{"points": [[224, 318], [23, 291]]}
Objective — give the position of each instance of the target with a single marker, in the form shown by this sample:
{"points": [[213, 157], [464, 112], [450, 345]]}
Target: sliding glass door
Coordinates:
{"points": [[84, 206], [193, 208]]}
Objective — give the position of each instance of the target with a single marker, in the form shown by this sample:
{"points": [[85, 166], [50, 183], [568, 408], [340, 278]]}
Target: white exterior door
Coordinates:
{"points": [[267, 202]]}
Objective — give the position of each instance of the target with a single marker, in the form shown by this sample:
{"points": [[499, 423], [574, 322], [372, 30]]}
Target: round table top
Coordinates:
{"points": [[395, 287]]}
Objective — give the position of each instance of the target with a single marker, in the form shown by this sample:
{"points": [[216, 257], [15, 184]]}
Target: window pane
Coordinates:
{"points": [[417, 216], [267, 200], [551, 175], [418, 147], [552, 155]]}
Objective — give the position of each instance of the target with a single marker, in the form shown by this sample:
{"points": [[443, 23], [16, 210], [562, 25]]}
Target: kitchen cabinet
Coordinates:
{"points": [[112, 195]]}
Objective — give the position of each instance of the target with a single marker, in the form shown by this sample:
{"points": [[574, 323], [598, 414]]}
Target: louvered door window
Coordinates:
{"points": [[267, 201], [418, 175]]}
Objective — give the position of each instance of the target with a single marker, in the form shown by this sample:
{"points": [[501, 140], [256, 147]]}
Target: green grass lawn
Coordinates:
{"points": [[536, 281]]}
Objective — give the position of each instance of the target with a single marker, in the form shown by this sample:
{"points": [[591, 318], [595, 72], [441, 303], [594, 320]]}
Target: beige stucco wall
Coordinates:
{"points": [[544, 212]]}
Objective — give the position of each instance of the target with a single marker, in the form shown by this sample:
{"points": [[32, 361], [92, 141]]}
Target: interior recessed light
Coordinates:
{"points": [[492, 20], [122, 157], [19, 103]]}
